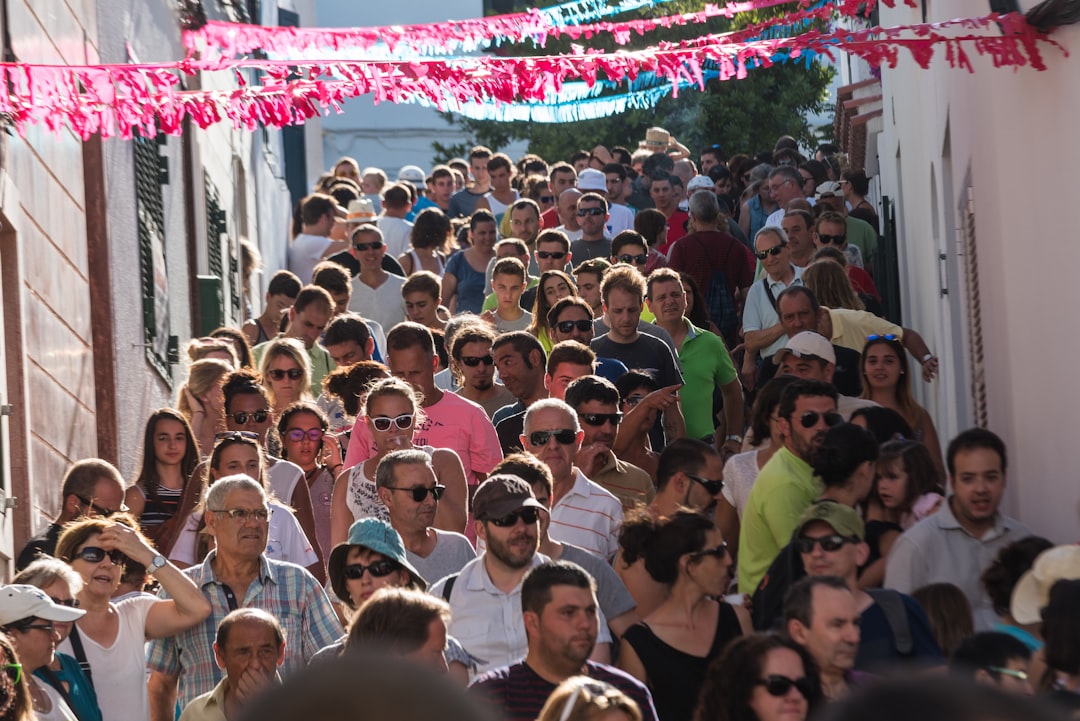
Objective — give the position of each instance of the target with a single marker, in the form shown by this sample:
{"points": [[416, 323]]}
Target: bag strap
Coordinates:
{"points": [[449, 586], [892, 605], [80, 654], [768, 292]]}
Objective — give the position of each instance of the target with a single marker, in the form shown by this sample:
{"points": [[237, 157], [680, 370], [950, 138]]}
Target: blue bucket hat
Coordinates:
{"points": [[376, 535]]}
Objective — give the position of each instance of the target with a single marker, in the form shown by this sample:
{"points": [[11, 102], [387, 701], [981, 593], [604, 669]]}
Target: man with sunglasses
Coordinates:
{"points": [[592, 215], [762, 331], [786, 484], [473, 364], [831, 231], [376, 294], [308, 317], [860, 235], [583, 513], [608, 183], [811, 356], [406, 484], [91, 487]]}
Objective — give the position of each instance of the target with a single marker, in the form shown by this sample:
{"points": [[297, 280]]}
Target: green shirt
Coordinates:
{"points": [[706, 365], [863, 236], [781, 492], [319, 361]]}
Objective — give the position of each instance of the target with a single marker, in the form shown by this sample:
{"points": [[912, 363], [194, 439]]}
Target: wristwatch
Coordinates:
{"points": [[156, 564], [733, 437]]}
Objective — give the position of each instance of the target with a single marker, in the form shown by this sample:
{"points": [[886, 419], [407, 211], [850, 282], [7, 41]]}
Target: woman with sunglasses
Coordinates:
{"points": [[202, 402], [886, 380], [286, 373], [760, 677], [305, 441], [170, 456], [554, 285], [61, 583], [113, 635], [285, 540], [463, 287], [16, 703], [581, 698], [392, 412], [652, 225], [672, 646]]}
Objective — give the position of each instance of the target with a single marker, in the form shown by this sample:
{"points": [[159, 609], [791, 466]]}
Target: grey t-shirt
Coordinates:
{"points": [[611, 592], [647, 353], [583, 250], [452, 551]]}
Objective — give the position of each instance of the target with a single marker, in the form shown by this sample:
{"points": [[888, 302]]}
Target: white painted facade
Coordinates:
{"points": [[1005, 135]]}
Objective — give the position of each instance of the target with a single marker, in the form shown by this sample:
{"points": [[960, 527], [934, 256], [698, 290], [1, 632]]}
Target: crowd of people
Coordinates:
{"points": [[620, 437]]}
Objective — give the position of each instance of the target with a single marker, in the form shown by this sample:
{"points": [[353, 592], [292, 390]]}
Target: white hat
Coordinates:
{"points": [[413, 174], [1032, 591], [700, 182], [19, 601], [829, 189], [361, 210], [807, 344], [591, 179]]}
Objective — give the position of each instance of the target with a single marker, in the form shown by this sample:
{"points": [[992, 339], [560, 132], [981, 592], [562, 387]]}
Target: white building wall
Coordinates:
{"points": [[1010, 135]]}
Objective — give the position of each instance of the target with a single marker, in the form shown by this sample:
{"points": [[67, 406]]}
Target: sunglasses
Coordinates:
{"points": [[775, 250], [633, 400], [888, 336], [566, 326], [241, 418], [14, 672], [279, 374], [547, 198], [829, 544], [419, 493], [545, 254], [97, 554], [529, 515], [563, 437], [777, 685], [103, 512], [383, 423], [711, 486], [296, 435], [242, 515], [716, 552], [827, 239], [599, 419], [582, 212], [474, 360], [69, 602], [810, 419], [378, 569], [374, 245], [635, 259]]}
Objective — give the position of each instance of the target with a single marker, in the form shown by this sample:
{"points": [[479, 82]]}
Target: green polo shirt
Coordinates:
{"points": [[706, 365]]}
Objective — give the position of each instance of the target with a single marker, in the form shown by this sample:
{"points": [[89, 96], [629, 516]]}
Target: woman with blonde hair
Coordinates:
{"points": [[580, 698], [202, 401], [830, 283], [286, 373]]}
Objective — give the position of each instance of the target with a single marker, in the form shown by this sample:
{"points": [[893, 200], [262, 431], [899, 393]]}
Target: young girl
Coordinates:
{"points": [[169, 457], [554, 286], [305, 441]]}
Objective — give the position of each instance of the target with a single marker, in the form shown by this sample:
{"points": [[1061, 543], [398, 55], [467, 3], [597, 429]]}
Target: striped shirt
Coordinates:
{"points": [[284, 590], [588, 516]]}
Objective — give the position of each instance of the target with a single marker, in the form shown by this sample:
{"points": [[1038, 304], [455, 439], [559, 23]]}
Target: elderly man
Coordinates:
{"points": [[249, 648], [821, 614], [238, 574], [583, 513]]}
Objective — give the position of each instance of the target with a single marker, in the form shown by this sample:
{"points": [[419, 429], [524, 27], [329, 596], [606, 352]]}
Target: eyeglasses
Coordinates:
{"points": [[888, 336], [635, 259], [243, 515], [545, 254], [829, 544], [419, 493], [563, 437], [241, 417], [716, 552], [103, 512], [827, 239], [296, 435], [529, 515], [777, 685], [48, 628], [582, 212], [378, 569], [775, 250], [474, 360], [712, 487], [774, 188], [14, 672], [373, 245], [633, 400], [97, 554], [279, 374], [599, 419], [1010, 672], [69, 602], [566, 326], [547, 198], [383, 423], [811, 418]]}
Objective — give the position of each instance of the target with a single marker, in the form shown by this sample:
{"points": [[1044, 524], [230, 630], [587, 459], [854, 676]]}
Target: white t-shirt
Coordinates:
{"points": [[384, 304], [120, 669], [60, 711], [282, 477], [396, 232], [285, 540], [305, 253], [621, 218]]}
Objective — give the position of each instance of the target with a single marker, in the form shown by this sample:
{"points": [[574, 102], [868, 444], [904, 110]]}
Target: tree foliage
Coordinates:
{"points": [[742, 115]]}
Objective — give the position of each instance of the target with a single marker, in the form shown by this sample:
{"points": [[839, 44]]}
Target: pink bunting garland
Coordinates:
{"points": [[119, 100]]}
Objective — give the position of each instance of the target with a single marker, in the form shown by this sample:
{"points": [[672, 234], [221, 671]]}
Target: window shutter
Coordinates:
{"points": [[150, 174]]}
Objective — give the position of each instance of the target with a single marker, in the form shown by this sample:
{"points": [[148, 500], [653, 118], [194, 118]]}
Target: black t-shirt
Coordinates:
{"points": [[646, 353]]}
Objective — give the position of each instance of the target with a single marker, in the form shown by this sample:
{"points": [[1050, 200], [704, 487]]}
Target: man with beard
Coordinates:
{"points": [[558, 600], [786, 484], [485, 597]]}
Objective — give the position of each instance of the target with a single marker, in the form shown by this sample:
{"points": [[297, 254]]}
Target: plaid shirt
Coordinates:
{"points": [[285, 590]]}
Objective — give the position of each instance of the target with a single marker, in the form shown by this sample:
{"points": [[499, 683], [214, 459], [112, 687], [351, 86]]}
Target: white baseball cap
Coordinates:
{"points": [[591, 179], [807, 343], [19, 601], [413, 174]]}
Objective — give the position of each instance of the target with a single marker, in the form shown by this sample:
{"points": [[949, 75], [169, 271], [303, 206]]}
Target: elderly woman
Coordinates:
{"points": [[61, 583], [113, 635]]}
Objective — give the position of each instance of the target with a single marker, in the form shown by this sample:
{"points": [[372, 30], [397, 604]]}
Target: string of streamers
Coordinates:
{"points": [[117, 100]]}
